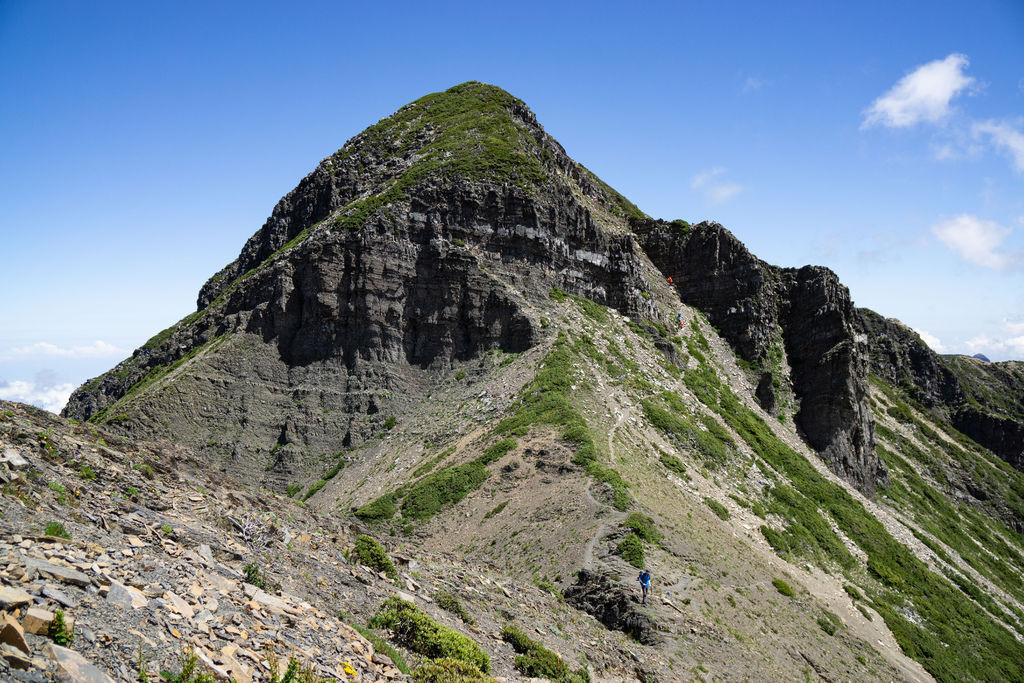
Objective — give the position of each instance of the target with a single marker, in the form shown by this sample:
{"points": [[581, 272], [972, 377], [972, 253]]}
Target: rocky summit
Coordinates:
{"points": [[450, 399]]}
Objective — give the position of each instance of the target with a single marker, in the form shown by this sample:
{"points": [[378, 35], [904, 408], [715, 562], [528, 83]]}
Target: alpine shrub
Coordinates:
{"points": [[632, 550], [414, 629], [370, 553]]}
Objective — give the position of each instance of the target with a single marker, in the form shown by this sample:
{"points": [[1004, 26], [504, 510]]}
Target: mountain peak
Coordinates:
{"points": [[474, 130]]}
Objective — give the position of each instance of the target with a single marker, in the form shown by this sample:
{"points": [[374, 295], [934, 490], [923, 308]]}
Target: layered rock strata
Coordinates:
{"points": [[765, 312]]}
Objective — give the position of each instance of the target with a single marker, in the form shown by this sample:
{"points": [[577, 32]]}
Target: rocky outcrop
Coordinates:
{"points": [[379, 268], [1002, 435], [606, 600], [900, 357], [829, 372], [983, 400], [713, 271], [763, 311]]}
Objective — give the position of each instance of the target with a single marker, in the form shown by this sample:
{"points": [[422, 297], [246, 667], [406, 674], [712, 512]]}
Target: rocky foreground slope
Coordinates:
{"points": [[455, 338]]}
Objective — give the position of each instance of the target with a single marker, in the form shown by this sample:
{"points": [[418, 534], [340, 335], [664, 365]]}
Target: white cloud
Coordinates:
{"points": [[1003, 136], [922, 95], [42, 393], [931, 340], [977, 241], [752, 84], [1008, 344], [715, 190], [98, 349]]}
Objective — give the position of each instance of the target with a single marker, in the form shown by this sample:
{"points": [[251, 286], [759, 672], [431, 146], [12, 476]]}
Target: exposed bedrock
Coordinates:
{"points": [[761, 309]]}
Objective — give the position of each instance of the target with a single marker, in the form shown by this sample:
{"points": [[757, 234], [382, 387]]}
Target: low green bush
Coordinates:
{"points": [[631, 548], [643, 526], [254, 575], [829, 623], [372, 554], [537, 661], [449, 670], [674, 464], [496, 509], [783, 587], [717, 508], [56, 529], [378, 510], [60, 633], [381, 645], [414, 629], [449, 603]]}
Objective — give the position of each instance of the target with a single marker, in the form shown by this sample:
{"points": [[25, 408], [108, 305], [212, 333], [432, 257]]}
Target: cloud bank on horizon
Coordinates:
{"points": [[42, 392], [48, 389]]}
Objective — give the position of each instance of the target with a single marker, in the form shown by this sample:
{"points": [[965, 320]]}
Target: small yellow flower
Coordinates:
{"points": [[348, 669]]}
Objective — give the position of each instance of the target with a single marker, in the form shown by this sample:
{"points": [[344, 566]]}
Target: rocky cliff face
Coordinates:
{"points": [[771, 315], [983, 400], [901, 358], [431, 238], [412, 248]]}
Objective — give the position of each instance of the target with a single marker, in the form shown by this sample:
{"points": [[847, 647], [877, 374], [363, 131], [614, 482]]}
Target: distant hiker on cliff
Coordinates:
{"points": [[645, 584]]}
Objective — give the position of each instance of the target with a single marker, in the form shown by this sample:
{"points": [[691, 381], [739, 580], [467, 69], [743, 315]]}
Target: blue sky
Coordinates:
{"points": [[143, 143]]}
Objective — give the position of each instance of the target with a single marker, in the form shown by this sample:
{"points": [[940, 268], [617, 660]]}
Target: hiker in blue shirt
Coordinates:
{"points": [[645, 584]]}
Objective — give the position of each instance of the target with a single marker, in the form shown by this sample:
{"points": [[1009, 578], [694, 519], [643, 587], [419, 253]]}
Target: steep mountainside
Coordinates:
{"points": [[453, 337], [983, 400]]}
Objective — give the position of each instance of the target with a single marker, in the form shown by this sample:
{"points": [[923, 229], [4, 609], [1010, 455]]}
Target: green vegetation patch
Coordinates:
{"points": [[381, 645], [380, 509], [674, 464], [414, 629], [56, 529], [546, 401], [631, 548], [537, 661], [432, 463], [449, 603], [783, 587], [447, 486], [372, 554], [949, 635], [829, 623], [449, 670], [717, 508], [643, 526], [328, 475], [254, 575], [711, 442], [496, 509]]}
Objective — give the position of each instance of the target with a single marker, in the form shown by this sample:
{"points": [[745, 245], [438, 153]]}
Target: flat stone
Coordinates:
{"points": [[57, 595], [205, 553], [271, 602], [16, 659], [15, 459], [75, 666], [179, 605], [11, 598], [126, 596], [12, 633], [65, 574], [221, 583], [37, 621]]}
